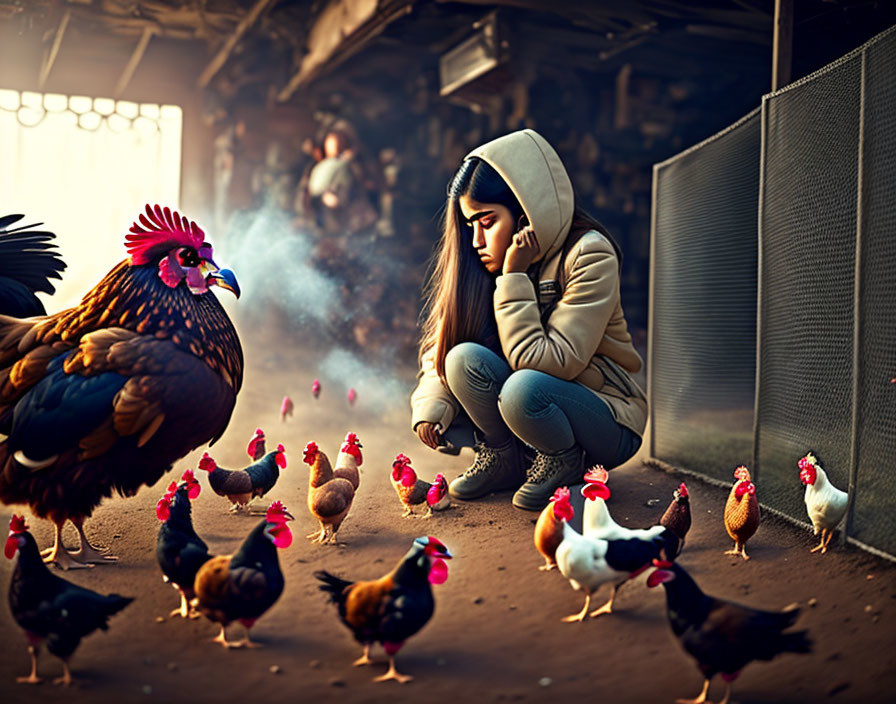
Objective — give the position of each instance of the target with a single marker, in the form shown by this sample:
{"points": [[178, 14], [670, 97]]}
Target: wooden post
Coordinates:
{"points": [[224, 52], [54, 50], [134, 61], [782, 49]]}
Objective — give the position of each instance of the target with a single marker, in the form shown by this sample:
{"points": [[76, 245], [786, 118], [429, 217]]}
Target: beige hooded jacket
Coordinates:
{"points": [[585, 339]]}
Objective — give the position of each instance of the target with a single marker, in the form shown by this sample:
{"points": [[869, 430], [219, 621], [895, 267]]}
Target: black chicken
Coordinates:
{"points": [[677, 517], [242, 587], [28, 261], [721, 636], [391, 609], [107, 395], [179, 550], [241, 485], [49, 608]]}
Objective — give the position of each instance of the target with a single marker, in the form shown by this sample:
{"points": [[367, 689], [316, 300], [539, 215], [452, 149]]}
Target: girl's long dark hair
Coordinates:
{"points": [[458, 293]]}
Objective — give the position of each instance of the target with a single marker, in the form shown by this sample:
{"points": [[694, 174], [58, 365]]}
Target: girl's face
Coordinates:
{"points": [[493, 229]]}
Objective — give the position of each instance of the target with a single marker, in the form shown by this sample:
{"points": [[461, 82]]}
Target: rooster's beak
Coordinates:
{"points": [[288, 516], [226, 279]]}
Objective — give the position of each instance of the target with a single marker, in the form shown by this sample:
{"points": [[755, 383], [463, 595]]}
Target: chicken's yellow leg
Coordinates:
{"points": [[32, 678], [59, 556], [393, 674], [581, 615], [700, 699], [66, 678], [365, 658], [608, 607]]}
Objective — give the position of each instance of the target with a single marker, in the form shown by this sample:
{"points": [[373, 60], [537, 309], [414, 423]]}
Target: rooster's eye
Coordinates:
{"points": [[188, 257]]}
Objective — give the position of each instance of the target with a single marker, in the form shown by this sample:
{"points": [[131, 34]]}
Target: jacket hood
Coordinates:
{"points": [[538, 179]]}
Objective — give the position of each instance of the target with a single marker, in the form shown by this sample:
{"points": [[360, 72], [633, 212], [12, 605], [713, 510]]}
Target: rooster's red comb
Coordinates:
{"points": [[276, 513], [561, 494], [188, 476], [742, 473], [401, 459], [310, 452], [162, 230], [597, 474], [17, 524], [352, 438]]}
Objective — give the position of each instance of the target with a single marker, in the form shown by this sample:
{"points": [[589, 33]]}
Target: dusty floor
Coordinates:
{"points": [[496, 635]]}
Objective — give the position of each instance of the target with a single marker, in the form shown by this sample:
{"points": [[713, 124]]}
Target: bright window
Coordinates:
{"points": [[86, 167]]}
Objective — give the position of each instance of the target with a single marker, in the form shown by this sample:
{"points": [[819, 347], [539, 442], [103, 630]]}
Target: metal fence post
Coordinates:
{"points": [[754, 460], [856, 322], [651, 314]]}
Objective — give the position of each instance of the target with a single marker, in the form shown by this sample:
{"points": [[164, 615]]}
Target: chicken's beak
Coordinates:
{"points": [[444, 555], [226, 279], [288, 516]]}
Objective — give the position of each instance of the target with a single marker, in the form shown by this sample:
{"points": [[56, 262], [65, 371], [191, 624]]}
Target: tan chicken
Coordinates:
{"points": [[329, 497], [549, 529], [741, 512], [411, 490]]}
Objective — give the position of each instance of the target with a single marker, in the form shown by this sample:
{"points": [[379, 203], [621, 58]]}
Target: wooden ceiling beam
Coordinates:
{"points": [[341, 30], [50, 58], [224, 52], [134, 61]]}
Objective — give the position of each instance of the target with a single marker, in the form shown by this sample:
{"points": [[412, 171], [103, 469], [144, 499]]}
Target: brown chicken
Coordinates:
{"points": [[549, 530], [741, 512], [677, 517], [411, 490], [329, 497], [393, 608]]}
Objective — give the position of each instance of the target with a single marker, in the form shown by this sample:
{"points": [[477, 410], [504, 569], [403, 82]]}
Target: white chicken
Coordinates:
{"points": [[825, 503], [590, 562], [349, 460], [597, 523]]}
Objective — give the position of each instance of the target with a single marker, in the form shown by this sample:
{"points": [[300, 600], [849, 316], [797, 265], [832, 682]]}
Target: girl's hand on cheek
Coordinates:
{"points": [[522, 251]]}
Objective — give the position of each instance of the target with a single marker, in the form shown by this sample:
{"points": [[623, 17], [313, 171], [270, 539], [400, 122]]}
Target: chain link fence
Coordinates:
{"points": [[790, 207]]}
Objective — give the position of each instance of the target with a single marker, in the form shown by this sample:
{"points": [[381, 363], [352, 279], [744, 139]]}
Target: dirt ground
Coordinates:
{"points": [[496, 634]]}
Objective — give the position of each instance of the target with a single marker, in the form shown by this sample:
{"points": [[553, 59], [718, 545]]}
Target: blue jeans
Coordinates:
{"points": [[545, 412]]}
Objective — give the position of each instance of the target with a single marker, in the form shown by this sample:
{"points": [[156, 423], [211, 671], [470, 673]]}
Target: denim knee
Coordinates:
{"points": [[462, 358], [520, 395]]}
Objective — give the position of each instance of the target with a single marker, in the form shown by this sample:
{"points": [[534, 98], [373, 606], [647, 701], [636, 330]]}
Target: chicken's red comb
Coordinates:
{"points": [[17, 524], [742, 473], [162, 230], [351, 438], [561, 494], [682, 490], [401, 459], [207, 464], [597, 474], [310, 452], [188, 476], [276, 512]]}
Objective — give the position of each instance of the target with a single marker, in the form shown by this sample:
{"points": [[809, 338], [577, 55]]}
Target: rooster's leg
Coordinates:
{"points": [[393, 674], [727, 693], [820, 545], [365, 658], [66, 679], [184, 609], [246, 642], [59, 556], [87, 553], [827, 540], [701, 698], [548, 565], [408, 512], [222, 639], [608, 607], [32, 678], [581, 615]]}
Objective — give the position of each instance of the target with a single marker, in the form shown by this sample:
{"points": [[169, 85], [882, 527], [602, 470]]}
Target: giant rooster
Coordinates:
{"points": [[107, 395]]}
